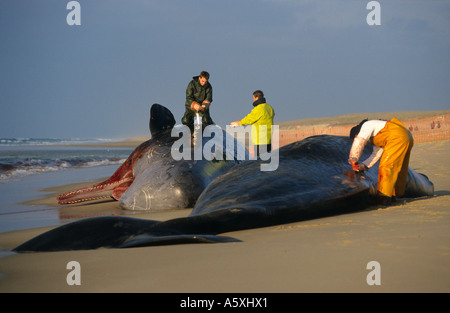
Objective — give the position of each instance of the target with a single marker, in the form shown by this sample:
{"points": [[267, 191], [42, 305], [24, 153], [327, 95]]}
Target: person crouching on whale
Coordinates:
{"points": [[198, 100], [392, 143], [261, 117]]}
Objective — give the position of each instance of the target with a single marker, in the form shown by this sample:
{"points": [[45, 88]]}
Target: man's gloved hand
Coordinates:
{"points": [[363, 167], [205, 105], [357, 167], [195, 106]]}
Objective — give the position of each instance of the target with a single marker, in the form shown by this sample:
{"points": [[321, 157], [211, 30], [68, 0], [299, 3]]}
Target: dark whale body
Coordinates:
{"points": [[313, 180]]}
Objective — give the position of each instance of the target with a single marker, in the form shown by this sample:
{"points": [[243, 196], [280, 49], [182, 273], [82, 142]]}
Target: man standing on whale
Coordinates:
{"points": [[261, 117], [198, 100]]}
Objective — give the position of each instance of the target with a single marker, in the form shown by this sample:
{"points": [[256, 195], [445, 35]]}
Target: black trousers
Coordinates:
{"points": [[189, 116], [262, 149]]}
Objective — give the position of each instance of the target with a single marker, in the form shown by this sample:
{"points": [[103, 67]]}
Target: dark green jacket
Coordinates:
{"points": [[198, 93]]}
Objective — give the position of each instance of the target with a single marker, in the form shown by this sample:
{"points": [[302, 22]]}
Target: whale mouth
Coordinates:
{"points": [[97, 192], [114, 187]]}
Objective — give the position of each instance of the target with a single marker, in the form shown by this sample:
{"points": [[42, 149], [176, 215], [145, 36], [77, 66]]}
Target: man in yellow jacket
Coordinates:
{"points": [[261, 119]]}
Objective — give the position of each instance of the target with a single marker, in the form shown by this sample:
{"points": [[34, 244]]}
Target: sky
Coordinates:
{"points": [[311, 58]]}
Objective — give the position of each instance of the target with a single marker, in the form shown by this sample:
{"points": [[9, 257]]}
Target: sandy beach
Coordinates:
{"points": [[409, 240]]}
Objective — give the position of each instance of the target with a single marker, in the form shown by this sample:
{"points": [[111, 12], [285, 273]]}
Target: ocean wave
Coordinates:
{"points": [[20, 161], [49, 141], [32, 167]]}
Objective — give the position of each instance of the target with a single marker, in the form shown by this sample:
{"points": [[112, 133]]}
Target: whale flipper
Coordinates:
{"points": [[161, 120], [113, 232], [150, 240]]}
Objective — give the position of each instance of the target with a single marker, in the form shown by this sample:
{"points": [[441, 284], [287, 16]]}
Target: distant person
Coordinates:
{"points": [[392, 143], [198, 100], [261, 117]]}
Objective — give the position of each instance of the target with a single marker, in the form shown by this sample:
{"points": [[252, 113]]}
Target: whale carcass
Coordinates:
{"points": [[313, 180]]}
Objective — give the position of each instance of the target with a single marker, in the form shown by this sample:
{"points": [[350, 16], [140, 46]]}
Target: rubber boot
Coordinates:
{"points": [[383, 200]]}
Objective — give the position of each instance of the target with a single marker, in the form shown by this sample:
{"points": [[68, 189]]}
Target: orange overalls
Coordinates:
{"points": [[397, 142]]}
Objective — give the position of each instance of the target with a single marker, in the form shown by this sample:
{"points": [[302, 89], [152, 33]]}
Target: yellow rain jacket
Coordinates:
{"points": [[261, 119]]}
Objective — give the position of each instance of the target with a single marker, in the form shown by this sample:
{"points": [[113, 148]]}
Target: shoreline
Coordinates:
{"points": [[410, 240], [131, 142]]}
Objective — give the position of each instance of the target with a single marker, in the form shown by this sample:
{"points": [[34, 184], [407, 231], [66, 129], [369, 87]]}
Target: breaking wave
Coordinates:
{"points": [[23, 156]]}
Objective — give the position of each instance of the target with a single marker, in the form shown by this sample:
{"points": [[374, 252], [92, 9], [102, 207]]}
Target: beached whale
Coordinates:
{"points": [[313, 180], [151, 179]]}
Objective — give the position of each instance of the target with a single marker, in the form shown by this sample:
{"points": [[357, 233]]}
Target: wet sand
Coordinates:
{"points": [[410, 241]]}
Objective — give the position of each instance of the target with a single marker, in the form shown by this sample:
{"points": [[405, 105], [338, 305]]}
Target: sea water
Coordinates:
{"points": [[28, 166]]}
